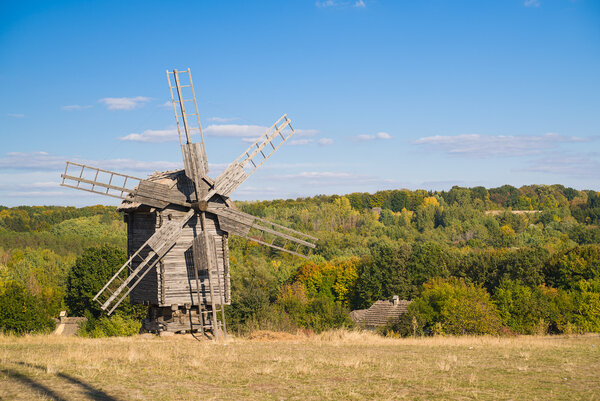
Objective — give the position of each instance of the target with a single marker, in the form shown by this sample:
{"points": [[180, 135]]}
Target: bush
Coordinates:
{"points": [[525, 310], [20, 311], [89, 274], [113, 326], [452, 306]]}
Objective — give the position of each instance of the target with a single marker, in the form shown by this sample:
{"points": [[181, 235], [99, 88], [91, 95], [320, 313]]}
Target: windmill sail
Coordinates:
{"points": [[98, 181], [264, 232], [117, 185], [117, 288], [243, 167], [187, 118]]}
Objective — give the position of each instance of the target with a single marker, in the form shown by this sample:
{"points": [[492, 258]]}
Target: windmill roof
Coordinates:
{"points": [[379, 313], [169, 178]]}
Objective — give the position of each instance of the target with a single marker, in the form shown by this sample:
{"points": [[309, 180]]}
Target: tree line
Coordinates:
{"points": [[457, 254]]}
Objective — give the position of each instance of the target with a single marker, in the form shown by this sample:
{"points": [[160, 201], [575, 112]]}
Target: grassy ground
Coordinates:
{"points": [[335, 365]]}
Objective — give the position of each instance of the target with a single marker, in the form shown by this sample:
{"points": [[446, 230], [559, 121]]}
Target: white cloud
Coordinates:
{"points": [[253, 191], [246, 130], [532, 3], [167, 104], [359, 4], [31, 161], [124, 103], [578, 165], [248, 133], [222, 119], [73, 107], [476, 145], [235, 130], [43, 161], [325, 180], [304, 141], [325, 141], [306, 132], [152, 136], [136, 165], [321, 174], [16, 115], [370, 137]]}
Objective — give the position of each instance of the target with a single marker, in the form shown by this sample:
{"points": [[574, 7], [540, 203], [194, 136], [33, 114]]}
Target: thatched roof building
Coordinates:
{"points": [[380, 313]]}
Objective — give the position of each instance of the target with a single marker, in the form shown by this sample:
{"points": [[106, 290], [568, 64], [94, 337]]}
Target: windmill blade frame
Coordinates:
{"points": [[194, 154], [156, 247], [245, 165], [150, 193], [104, 179], [264, 232]]}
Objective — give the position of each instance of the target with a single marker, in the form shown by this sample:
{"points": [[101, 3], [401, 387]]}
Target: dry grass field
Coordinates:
{"points": [[335, 365]]}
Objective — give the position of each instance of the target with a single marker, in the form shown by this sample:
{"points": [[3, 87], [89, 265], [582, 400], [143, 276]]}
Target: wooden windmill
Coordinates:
{"points": [[178, 223]]}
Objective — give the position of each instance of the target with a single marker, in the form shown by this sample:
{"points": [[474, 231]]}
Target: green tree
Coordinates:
{"points": [[524, 309], [452, 306], [89, 274], [20, 311]]}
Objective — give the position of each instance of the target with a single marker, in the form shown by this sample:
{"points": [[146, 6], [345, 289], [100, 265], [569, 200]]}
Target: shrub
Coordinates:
{"points": [[452, 306], [524, 309], [20, 311], [113, 326], [89, 274]]}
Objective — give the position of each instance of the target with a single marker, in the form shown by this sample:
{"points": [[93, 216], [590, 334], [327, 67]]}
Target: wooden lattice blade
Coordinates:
{"points": [[98, 181], [245, 165], [187, 118], [264, 232], [118, 287]]}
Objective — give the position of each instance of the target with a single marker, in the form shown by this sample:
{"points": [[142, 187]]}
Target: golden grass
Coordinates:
{"points": [[336, 365]]}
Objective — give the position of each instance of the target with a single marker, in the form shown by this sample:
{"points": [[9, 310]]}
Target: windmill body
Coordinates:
{"points": [[170, 289], [179, 222]]}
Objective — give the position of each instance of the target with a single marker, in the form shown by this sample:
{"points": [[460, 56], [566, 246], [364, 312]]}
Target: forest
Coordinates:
{"points": [[499, 261]]}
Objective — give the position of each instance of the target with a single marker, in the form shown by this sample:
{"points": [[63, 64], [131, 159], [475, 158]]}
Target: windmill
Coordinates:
{"points": [[178, 223]]}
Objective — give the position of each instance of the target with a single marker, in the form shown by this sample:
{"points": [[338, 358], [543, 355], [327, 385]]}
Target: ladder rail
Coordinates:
{"points": [[68, 177], [172, 234]]}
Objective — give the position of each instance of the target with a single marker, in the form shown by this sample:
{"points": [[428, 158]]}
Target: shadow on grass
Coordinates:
{"points": [[91, 392], [32, 384]]}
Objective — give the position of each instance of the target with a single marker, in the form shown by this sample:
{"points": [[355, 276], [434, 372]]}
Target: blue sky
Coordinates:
{"points": [[384, 94]]}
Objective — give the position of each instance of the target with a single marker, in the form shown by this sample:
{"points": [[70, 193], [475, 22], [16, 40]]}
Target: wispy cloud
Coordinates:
{"points": [[327, 179], [303, 141], [16, 115], [30, 161], [475, 145], [43, 161], [235, 130], [222, 119], [325, 141], [248, 133], [577, 165], [74, 107], [532, 3], [370, 137], [306, 132], [340, 4], [124, 103], [321, 174], [152, 136]]}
